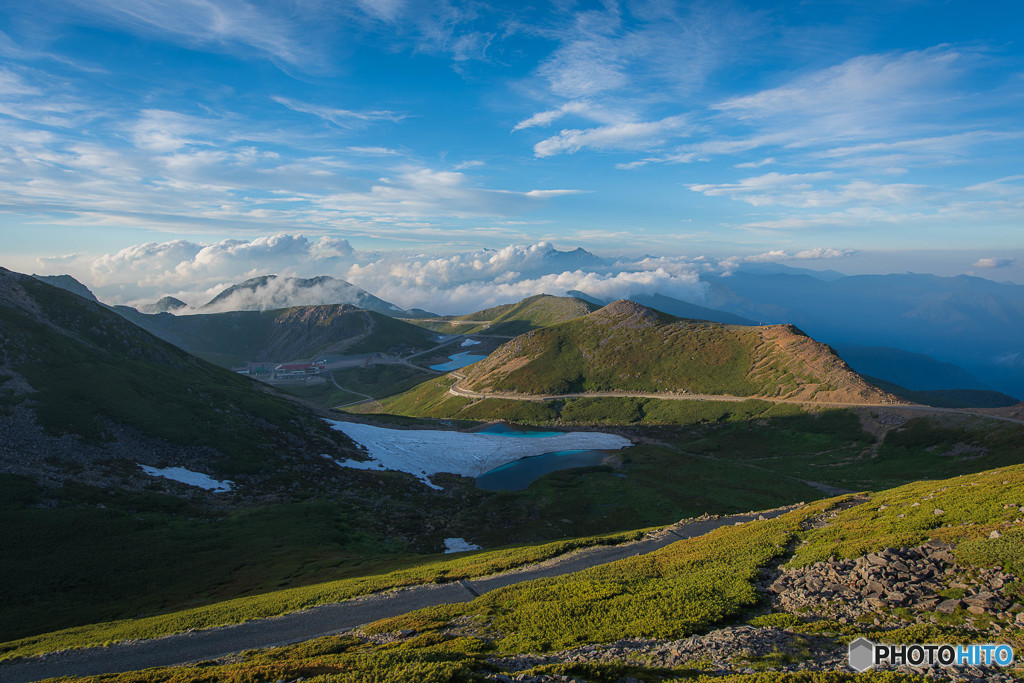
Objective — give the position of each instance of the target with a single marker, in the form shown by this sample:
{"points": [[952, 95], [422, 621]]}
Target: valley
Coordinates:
{"points": [[244, 497]]}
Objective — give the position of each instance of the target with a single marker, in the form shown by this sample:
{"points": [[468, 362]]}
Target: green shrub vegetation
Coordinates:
{"points": [[438, 659], [971, 507], [594, 354], [669, 593], [423, 570]]}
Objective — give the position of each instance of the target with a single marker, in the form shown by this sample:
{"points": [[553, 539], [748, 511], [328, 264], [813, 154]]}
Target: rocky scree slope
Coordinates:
{"points": [[628, 347]]}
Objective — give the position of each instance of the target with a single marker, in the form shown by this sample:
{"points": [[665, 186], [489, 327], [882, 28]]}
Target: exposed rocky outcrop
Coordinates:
{"points": [[925, 581]]}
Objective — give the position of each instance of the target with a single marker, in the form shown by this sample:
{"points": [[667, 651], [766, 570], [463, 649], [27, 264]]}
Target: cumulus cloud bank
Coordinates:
{"points": [[444, 283], [994, 262]]}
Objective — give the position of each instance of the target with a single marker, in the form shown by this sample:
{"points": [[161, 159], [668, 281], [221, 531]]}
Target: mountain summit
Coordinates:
{"points": [[271, 292], [626, 346]]}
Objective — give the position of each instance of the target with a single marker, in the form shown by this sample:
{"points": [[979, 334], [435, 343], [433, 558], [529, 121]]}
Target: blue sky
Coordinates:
{"points": [[137, 135]]}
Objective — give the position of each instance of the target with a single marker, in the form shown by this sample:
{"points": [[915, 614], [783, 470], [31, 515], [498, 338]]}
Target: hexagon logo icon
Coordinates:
{"points": [[862, 655]]}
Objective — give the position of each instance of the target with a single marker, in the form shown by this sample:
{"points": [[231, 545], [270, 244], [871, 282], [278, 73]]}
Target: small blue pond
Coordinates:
{"points": [[516, 476], [458, 360]]}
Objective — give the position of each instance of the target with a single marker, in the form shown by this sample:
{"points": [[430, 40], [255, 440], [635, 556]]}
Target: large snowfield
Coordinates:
{"points": [[423, 452]]}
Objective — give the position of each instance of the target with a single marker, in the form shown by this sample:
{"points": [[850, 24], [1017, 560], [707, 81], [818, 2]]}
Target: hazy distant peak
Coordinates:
{"points": [[272, 292], [781, 269], [68, 284], [167, 304]]}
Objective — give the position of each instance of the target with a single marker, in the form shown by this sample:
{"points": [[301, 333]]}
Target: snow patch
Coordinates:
{"points": [[189, 477], [458, 545], [469, 342], [422, 452]]}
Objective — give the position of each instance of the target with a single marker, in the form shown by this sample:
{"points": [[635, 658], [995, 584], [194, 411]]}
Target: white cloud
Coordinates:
{"points": [[617, 136], [458, 282], [662, 50], [823, 253], [546, 118], [428, 192], [167, 131], [860, 96], [180, 263], [278, 32], [339, 117], [385, 10], [544, 194], [374, 151], [994, 262], [767, 257], [756, 164], [798, 190]]}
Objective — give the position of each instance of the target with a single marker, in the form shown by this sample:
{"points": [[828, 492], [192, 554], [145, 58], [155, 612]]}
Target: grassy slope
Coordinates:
{"points": [[414, 571], [512, 319], [627, 347], [940, 446], [431, 399], [74, 353], [693, 584], [281, 335], [681, 589]]}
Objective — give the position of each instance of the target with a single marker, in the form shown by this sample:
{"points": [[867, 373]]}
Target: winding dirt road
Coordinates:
{"points": [[213, 643], [456, 390]]}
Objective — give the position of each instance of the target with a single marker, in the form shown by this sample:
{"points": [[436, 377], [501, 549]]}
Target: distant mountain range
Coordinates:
{"points": [[975, 323], [167, 304], [676, 307], [971, 322]]}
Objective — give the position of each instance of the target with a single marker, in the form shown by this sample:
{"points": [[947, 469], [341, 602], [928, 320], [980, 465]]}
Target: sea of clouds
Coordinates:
{"points": [[452, 283]]}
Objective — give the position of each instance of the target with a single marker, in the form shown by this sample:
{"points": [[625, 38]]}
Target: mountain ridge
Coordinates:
{"points": [[626, 346]]}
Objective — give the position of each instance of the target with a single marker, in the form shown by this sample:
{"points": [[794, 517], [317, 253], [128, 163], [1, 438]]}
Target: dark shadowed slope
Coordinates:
{"points": [[303, 332]]}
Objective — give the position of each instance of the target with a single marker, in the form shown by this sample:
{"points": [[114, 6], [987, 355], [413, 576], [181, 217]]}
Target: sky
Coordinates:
{"points": [[155, 147]]}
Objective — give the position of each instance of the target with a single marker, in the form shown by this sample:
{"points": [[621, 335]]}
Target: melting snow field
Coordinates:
{"points": [[423, 452], [188, 477], [458, 545], [469, 342]]}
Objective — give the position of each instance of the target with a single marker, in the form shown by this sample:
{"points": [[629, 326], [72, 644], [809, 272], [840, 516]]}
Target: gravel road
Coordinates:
{"points": [[338, 617]]}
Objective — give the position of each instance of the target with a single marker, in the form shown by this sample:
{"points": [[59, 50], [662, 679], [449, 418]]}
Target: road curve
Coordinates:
{"points": [[456, 390], [213, 643]]}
